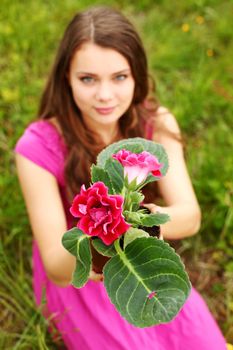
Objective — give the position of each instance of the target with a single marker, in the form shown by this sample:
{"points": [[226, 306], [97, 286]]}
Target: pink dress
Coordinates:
{"points": [[85, 317]]}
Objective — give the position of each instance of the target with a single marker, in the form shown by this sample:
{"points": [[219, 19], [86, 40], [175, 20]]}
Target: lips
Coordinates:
{"points": [[108, 110]]}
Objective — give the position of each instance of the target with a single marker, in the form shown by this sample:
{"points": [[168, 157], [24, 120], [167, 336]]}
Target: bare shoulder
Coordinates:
{"points": [[167, 120], [166, 126]]}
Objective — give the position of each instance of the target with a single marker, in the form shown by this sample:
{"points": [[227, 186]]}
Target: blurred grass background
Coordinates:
{"points": [[190, 51]]}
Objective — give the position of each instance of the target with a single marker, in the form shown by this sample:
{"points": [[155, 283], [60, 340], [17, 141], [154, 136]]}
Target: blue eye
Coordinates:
{"points": [[87, 80], [121, 77]]}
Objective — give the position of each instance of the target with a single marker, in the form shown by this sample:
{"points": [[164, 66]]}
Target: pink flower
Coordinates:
{"points": [[100, 213], [138, 165]]}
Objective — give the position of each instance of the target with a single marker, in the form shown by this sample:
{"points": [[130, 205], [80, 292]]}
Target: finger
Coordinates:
{"points": [[152, 207]]}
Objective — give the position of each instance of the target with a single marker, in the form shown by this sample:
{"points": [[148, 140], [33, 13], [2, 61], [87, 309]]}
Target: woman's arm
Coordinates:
{"points": [[175, 188], [47, 218]]}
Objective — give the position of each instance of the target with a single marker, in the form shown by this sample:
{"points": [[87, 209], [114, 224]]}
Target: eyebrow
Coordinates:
{"points": [[96, 75]]}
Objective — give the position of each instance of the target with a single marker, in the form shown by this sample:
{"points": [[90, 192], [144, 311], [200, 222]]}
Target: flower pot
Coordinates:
{"points": [[153, 231]]}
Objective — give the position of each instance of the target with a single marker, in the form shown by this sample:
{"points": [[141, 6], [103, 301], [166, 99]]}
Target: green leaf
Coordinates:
{"points": [[116, 173], [106, 250], [70, 240], [148, 220], [146, 282], [131, 144], [156, 219], [77, 243], [133, 233], [100, 174]]}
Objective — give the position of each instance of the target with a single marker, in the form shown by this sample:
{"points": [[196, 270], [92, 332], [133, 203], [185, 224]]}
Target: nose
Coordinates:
{"points": [[104, 92]]}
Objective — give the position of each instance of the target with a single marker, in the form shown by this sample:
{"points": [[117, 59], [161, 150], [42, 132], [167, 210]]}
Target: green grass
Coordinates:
{"points": [[190, 51]]}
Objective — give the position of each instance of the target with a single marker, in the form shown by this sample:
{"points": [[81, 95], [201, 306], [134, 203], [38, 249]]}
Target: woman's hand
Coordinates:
{"points": [[152, 207], [175, 188]]}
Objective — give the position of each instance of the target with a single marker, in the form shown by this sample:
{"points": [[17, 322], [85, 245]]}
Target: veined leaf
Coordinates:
{"points": [[133, 233], [156, 219], [131, 144], [70, 239], [100, 174], [116, 173], [106, 250], [78, 244], [146, 282], [148, 220]]}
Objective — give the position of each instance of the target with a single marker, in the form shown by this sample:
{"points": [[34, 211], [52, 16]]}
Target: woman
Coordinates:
{"points": [[97, 93]]}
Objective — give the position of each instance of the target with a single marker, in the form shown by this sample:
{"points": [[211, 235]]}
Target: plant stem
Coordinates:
{"points": [[117, 247]]}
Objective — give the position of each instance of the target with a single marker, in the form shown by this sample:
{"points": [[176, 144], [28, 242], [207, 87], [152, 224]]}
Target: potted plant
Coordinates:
{"points": [[145, 279]]}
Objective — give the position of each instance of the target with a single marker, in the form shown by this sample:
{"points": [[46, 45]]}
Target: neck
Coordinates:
{"points": [[110, 135]]}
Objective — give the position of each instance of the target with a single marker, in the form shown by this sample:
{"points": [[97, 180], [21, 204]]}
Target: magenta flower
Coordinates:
{"points": [[138, 165], [100, 213]]}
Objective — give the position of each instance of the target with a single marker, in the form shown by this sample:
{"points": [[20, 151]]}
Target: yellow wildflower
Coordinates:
{"points": [[9, 95], [210, 52], [200, 19], [6, 29], [185, 27]]}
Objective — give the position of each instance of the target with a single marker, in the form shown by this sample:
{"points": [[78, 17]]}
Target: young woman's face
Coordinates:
{"points": [[102, 85]]}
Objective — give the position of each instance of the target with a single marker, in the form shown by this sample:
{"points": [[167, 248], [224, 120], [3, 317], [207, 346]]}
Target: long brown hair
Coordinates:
{"points": [[107, 28]]}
